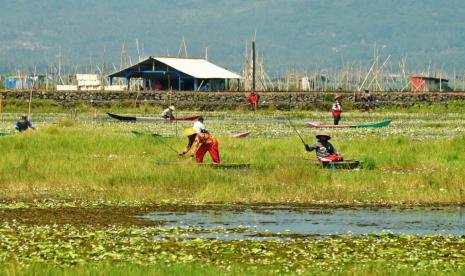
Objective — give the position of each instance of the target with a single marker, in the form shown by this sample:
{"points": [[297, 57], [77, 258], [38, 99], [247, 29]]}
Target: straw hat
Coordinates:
{"points": [[189, 131], [172, 107], [337, 97], [321, 135]]}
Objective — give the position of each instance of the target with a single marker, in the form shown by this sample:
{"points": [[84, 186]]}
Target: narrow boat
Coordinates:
{"points": [[2, 133], [209, 165], [226, 165], [340, 165], [371, 125], [149, 119], [241, 134]]}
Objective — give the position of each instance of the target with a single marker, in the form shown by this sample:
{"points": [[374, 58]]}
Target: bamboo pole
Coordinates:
{"points": [[1, 106], [30, 104], [253, 66]]}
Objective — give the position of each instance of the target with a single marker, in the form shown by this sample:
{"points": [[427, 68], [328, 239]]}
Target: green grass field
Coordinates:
{"points": [[104, 161], [132, 269], [82, 159]]}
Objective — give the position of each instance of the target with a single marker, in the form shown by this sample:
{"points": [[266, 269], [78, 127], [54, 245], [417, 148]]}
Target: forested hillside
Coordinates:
{"points": [[292, 33]]}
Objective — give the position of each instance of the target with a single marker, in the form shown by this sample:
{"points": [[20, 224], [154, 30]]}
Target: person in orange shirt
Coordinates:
{"points": [[205, 142]]}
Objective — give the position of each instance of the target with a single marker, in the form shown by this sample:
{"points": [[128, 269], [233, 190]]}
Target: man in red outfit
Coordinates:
{"points": [[253, 99], [205, 142]]}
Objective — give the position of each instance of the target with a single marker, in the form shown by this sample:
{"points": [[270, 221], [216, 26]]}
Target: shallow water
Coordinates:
{"points": [[317, 221]]}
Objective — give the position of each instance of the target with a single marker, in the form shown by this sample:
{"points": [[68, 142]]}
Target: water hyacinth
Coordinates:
{"points": [[70, 245]]}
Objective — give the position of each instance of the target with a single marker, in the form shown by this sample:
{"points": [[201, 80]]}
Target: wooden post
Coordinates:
{"points": [[253, 66], [1, 106], [440, 82], [176, 123], [30, 103]]}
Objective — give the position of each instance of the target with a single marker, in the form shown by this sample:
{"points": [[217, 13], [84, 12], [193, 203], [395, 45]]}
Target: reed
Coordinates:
{"points": [[76, 162]]}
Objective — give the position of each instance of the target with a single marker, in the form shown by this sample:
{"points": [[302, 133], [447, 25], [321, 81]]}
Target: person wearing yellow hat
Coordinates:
{"points": [[190, 133], [325, 151], [336, 110], [167, 114], [204, 142]]}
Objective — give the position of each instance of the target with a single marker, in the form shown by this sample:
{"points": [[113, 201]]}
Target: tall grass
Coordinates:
{"points": [[111, 268], [77, 163]]}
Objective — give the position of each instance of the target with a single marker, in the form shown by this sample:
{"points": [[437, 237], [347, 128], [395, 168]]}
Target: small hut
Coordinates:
{"points": [[429, 84]]}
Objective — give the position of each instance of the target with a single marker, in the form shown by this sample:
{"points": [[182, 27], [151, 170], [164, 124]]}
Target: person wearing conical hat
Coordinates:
{"points": [[190, 133], [204, 142], [23, 124], [167, 114], [336, 110], [325, 151]]}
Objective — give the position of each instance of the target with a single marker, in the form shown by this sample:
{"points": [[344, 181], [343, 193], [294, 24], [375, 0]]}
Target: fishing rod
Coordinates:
{"points": [[295, 129], [164, 143]]}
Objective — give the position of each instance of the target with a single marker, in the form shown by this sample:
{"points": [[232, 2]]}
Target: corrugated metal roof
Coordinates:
{"points": [[198, 68]]}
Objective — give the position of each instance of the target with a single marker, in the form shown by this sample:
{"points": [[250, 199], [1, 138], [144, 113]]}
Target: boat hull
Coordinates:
{"points": [[372, 125], [149, 119], [341, 165]]}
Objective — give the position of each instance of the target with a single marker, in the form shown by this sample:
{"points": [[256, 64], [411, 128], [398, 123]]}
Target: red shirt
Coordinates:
{"points": [[336, 109], [253, 98]]}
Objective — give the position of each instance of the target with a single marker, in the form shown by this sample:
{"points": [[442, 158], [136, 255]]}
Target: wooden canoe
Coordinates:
{"points": [[242, 134], [226, 165], [370, 125], [149, 119], [210, 165], [341, 165]]}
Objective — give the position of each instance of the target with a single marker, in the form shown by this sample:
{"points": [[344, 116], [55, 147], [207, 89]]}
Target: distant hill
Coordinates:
{"points": [[304, 34]]}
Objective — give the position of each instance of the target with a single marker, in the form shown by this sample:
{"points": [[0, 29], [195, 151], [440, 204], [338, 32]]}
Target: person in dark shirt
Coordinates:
{"points": [[325, 151], [23, 124]]}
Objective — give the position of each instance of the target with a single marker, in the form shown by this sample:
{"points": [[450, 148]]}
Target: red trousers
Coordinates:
{"points": [[212, 149], [331, 158]]}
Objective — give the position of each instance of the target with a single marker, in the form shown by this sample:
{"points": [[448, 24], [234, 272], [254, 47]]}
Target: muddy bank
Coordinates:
{"points": [[98, 216]]}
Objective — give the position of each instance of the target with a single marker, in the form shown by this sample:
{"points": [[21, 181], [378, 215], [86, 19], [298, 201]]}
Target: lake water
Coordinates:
{"points": [[320, 221]]}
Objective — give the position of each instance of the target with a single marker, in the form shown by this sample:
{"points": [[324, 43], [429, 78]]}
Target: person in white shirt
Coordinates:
{"points": [[167, 114], [336, 110], [198, 125]]}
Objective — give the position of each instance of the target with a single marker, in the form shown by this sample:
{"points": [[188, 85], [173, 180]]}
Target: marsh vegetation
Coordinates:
{"points": [[77, 162]]}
